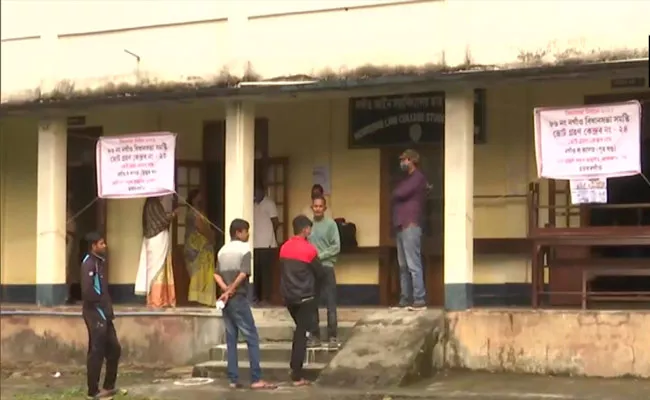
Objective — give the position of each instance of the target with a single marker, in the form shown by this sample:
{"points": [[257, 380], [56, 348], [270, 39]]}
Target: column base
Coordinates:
{"points": [[48, 295], [459, 296]]}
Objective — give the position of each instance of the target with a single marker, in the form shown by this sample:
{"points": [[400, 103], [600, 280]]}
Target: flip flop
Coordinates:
{"points": [[262, 385]]}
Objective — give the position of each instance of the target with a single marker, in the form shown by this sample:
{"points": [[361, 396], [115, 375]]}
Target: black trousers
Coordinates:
{"points": [[303, 315], [102, 345], [327, 293], [264, 260]]}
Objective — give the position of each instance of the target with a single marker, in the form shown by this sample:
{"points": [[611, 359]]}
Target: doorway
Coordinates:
{"points": [[432, 165], [269, 172], [82, 202], [628, 204]]}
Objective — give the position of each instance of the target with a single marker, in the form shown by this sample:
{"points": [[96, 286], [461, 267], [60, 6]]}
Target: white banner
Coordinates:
{"points": [[589, 141], [585, 191], [139, 165]]}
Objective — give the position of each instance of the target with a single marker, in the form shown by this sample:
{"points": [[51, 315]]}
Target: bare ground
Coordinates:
{"points": [[41, 382]]}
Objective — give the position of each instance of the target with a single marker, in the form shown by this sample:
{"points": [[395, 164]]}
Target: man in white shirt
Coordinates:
{"points": [[264, 244]]}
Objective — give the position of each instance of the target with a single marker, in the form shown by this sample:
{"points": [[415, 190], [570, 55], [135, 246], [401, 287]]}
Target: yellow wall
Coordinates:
{"points": [[18, 192], [311, 133]]}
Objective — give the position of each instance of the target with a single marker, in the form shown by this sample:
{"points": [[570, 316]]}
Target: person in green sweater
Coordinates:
{"points": [[325, 237]]}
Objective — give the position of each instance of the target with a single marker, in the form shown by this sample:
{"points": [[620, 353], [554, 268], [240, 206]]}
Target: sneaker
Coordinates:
{"points": [[313, 342], [102, 395], [333, 343]]}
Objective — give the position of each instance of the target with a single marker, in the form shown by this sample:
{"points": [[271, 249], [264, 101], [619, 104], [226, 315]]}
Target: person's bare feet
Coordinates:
{"points": [[301, 382], [263, 385]]}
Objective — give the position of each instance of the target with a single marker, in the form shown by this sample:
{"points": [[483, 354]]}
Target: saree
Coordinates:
{"points": [[199, 260], [155, 277]]}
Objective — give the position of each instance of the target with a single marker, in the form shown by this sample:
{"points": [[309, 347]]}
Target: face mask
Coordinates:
{"points": [[403, 165]]}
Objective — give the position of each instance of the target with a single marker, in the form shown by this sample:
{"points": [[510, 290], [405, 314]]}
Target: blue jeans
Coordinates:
{"points": [[411, 274], [238, 317]]}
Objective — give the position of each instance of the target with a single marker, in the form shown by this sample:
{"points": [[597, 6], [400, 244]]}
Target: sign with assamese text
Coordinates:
{"points": [[406, 120], [588, 141], [133, 166]]}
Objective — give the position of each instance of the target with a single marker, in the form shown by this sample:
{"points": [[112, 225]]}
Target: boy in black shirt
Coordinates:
{"points": [[97, 312]]}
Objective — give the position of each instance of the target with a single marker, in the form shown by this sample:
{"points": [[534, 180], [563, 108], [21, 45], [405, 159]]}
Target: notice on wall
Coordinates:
{"points": [[133, 166], [586, 191], [588, 141], [321, 176]]}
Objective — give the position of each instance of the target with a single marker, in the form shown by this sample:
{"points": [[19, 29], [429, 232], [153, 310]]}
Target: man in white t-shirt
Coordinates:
{"points": [[264, 244]]}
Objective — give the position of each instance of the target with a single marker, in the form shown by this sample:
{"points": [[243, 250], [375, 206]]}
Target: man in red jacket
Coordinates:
{"points": [[301, 274]]}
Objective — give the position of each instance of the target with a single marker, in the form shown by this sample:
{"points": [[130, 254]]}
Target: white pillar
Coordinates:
{"points": [[51, 213], [459, 199], [240, 163]]}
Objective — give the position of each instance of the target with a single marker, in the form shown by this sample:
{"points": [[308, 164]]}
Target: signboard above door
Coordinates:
{"points": [[406, 119]]}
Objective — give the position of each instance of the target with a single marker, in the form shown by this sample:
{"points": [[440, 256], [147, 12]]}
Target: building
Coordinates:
{"points": [[286, 82]]}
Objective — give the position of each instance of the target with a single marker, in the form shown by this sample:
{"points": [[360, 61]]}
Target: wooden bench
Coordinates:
{"points": [[621, 267], [597, 267], [625, 267]]}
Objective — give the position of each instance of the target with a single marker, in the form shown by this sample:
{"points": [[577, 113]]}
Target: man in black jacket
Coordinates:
{"points": [[301, 275], [97, 311]]}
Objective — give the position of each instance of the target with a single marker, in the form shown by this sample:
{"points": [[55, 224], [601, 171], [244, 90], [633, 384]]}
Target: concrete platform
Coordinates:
{"points": [[282, 330], [276, 370], [275, 352]]}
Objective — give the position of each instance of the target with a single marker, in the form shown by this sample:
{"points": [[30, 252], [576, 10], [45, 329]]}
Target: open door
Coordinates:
{"points": [[189, 176], [276, 184], [432, 165], [627, 201], [82, 198]]}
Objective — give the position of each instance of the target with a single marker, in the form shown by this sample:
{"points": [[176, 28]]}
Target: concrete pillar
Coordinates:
{"points": [[51, 213], [240, 162], [459, 199]]}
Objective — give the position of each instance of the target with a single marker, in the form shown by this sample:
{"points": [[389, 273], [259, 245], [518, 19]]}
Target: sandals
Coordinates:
{"points": [[260, 385], [263, 385], [301, 383]]}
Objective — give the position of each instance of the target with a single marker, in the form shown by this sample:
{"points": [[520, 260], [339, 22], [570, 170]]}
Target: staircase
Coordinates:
{"points": [[275, 328]]}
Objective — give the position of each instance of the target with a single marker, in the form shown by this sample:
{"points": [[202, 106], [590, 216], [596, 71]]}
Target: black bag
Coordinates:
{"points": [[347, 233]]}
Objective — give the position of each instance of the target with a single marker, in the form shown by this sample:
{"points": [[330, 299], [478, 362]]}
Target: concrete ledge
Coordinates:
{"points": [[581, 343], [150, 338], [386, 349]]}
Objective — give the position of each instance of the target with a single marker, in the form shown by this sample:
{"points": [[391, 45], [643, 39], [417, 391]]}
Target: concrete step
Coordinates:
{"points": [[344, 314], [273, 371], [275, 352], [282, 331]]}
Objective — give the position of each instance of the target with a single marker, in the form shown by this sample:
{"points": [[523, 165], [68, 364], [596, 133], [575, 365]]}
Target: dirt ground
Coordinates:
{"points": [[51, 382]]}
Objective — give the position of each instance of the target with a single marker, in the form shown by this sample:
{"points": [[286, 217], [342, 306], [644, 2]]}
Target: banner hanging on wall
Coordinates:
{"points": [[588, 141], [133, 166]]}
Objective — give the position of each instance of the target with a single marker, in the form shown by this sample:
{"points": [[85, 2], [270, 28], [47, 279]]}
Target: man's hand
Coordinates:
{"points": [[225, 296]]}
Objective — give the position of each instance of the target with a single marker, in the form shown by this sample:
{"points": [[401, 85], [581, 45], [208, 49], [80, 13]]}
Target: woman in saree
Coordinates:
{"points": [[155, 277], [199, 253]]}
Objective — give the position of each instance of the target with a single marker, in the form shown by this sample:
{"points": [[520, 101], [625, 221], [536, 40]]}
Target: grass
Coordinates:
{"points": [[69, 394]]}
